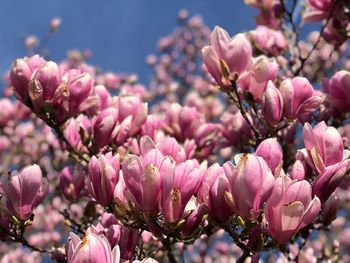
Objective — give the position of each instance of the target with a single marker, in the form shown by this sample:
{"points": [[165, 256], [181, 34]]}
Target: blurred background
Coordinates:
{"points": [[120, 34]]}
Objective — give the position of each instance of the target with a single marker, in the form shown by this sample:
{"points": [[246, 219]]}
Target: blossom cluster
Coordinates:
{"points": [[245, 156]]}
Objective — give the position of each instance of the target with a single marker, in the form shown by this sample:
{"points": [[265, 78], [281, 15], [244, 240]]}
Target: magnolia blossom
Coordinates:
{"points": [[290, 208], [24, 191], [337, 89], [250, 184], [93, 247], [299, 98], [226, 56]]}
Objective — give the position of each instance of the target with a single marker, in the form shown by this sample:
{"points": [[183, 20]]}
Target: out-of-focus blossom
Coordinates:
{"points": [[337, 88]]}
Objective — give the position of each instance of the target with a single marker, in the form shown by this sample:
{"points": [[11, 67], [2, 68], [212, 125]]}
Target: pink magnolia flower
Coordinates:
{"points": [[43, 84], [255, 81], [132, 114], [234, 53], [93, 247], [143, 176], [20, 75], [103, 126], [324, 146], [250, 183], [169, 146], [24, 191], [272, 104], [71, 182], [337, 89], [104, 174], [73, 91], [329, 179], [103, 95], [299, 98], [128, 240], [179, 184], [212, 192], [290, 208], [271, 151]]}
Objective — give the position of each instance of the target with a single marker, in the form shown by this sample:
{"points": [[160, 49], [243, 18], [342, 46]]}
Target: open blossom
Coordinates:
{"points": [[250, 183], [24, 191], [255, 80], [93, 247], [73, 91], [290, 208], [226, 54], [299, 98], [324, 145], [44, 83], [269, 12], [337, 89], [38, 82], [21, 73], [132, 114]]}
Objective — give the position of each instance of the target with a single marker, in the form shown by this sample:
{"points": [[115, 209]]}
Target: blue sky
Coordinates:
{"points": [[120, 33]]}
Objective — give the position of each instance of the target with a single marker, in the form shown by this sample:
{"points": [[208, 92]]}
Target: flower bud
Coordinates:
{"points": [[104, 175], [103, 126], [24, 191], [272, 104], [128, 241], [270, 150], [213, 192], [330, 209]]}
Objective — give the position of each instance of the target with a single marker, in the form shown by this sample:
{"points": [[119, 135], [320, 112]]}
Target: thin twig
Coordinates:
{"points": [[22, 240], [320, 36], [239, 104]]}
